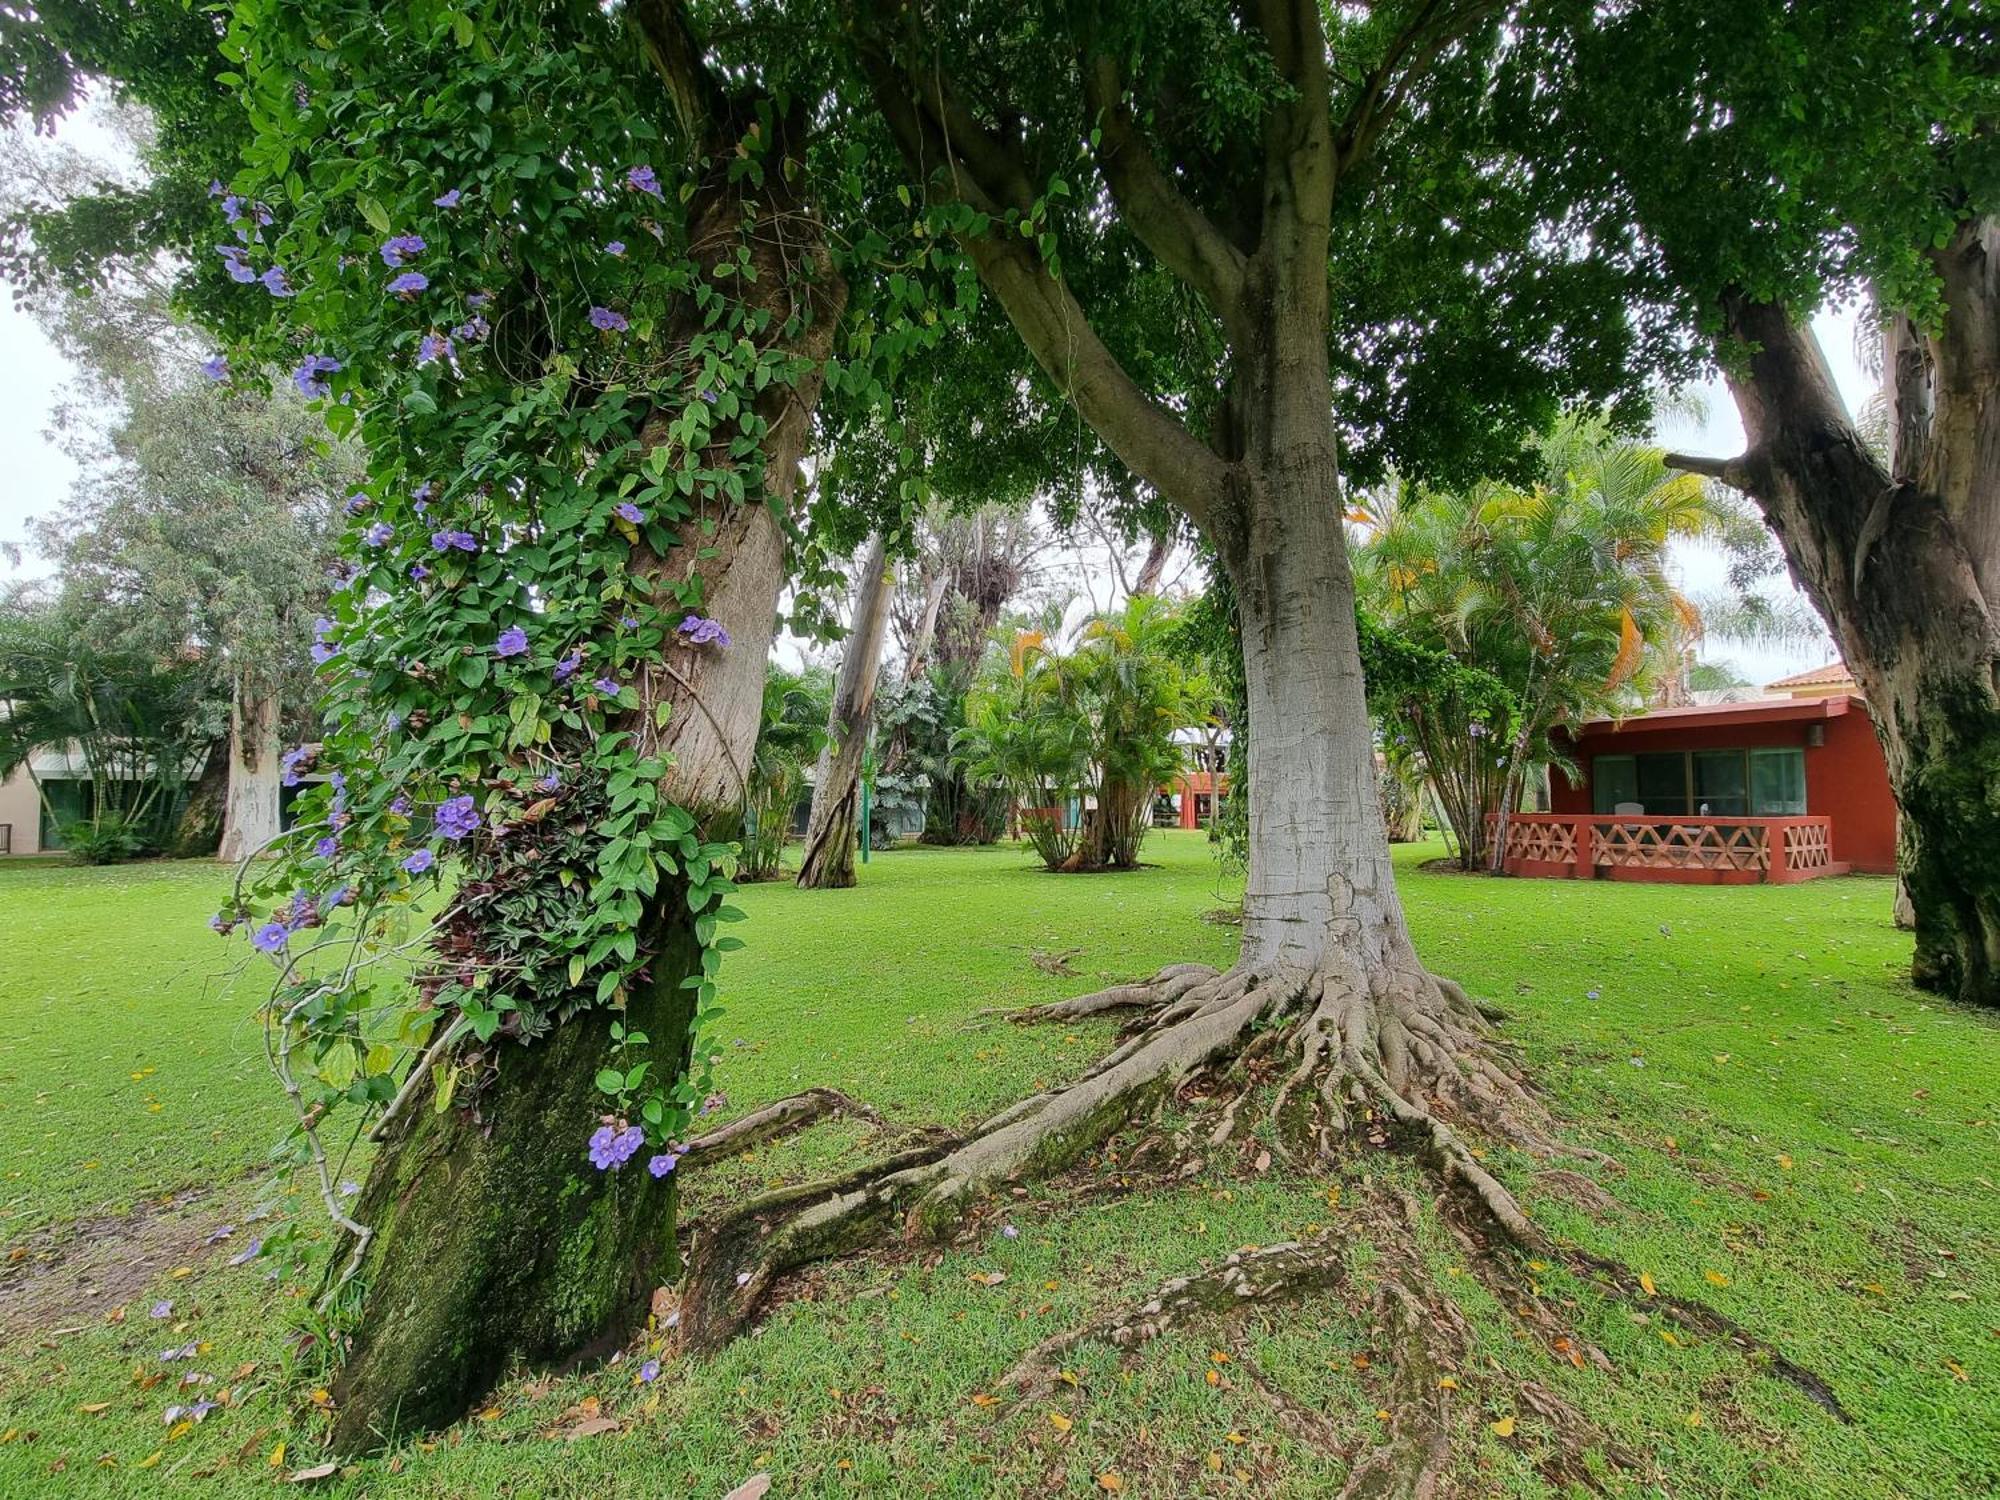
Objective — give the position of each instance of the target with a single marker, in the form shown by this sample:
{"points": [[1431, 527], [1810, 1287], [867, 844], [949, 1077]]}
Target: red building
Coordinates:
{"points": [[1777, 790]]}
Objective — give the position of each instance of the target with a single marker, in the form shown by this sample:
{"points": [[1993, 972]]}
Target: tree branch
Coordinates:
{"points": [[1420, 43], [1164, 220], [667, 34], [1734, 472], [986, 172]]}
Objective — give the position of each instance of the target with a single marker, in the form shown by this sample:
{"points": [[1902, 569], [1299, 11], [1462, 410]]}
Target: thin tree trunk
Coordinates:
{"points": [[494, 1242], [926, 631], [1158, 549], [830, 830], [1904, 566], [250, 805], [198, 830]]}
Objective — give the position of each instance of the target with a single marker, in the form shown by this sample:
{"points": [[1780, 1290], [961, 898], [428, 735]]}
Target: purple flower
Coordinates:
{"points": [[478, 299], [235, 260], [609, 321], [616, 247], [448, 200], [408, 284], [200, 1410], [435, 347], [444, 541], [550, 782], [607, 686], [379, 535], [420, 861], [566, 668], [290, 762], [247, 1254], [356, 503], [419, 572], [473, 330], [457, 817], [664, 1163], [629, 622], [327, 847], [307, 376], [1591, 994], [513, 641], [161, 1309], [232, 207], [649, 1372], [422, 493], [626, 510], [323, 652], [643, 178], [703, 632], [400, 806], [276, 282], [216, 368], [1009, 1232], [401, 249], [221, 1233], [270, 938], [215, 188], [611, 1148]]}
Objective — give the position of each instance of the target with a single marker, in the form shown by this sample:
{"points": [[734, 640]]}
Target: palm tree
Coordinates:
{"points": [[792, 730], [1561, 590]]}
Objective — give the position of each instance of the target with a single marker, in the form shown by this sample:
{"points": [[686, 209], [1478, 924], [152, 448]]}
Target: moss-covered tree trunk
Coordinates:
{"points": [[494, 1241], [1903, 563]]}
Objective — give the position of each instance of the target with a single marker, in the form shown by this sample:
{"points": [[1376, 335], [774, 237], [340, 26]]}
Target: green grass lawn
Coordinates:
{"points": [[1806, 1143]]}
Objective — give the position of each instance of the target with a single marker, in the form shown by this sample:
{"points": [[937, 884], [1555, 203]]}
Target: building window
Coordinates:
{"points": [[1706, 783]]}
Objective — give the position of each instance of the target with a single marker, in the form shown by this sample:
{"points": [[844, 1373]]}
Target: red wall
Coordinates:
{"points": [[1846, 778]]}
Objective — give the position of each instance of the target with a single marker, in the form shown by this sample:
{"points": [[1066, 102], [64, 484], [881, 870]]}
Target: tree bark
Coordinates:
{"points": [[493, 1240], [199, 829], [1904, 565], [830, 830], [250, 806]]}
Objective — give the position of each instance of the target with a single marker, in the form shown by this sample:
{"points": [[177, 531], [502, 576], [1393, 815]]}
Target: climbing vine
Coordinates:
{"points": [[473, 247]]}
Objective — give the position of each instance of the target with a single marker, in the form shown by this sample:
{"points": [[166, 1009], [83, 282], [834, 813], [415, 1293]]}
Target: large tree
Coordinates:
{"points": [[1776, 156]]}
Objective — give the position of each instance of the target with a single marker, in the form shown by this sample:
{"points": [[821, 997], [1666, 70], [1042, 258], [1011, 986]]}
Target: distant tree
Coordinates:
{"points": [[791, 732], [828, 858]]}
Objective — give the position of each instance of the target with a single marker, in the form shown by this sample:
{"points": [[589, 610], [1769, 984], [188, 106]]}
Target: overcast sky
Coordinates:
{"points": [[37, 473]]}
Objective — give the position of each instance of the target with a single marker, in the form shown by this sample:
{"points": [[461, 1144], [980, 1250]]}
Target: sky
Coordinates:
{"points": [[38, 474]]}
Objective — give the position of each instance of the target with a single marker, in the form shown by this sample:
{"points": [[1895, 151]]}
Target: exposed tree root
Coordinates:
{"points": [[1322, 1061], [785, 1117]]}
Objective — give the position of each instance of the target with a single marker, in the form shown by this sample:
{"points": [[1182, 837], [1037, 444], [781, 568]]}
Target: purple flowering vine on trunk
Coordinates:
{"points": [[626, 510], [700, 631], [277, 283], [379, 535], [607, 320], [271, 937], [408, 284], [216, 368], [513, 641], [645, 180], [400, 249], [612, 1146], [307, 377], [448, 199], [420, 861]]}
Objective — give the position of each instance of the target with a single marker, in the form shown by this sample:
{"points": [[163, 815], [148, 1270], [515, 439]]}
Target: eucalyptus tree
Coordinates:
{"points": [[828, 857], [1776, 156]]}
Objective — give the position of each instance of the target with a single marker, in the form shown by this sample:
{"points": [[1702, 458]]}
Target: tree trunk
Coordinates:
{"points": [[493, 1240], [199, 829], [250, 806], [1904, 565], [829, 854], [1158, 549]]}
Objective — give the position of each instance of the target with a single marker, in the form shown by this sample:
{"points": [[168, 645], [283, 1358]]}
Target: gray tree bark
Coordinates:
{"points": [[250, 804], [828, 861]]}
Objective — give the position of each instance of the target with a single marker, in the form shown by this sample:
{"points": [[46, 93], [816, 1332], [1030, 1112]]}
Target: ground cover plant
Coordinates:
{"points": [[1806, 1143]]}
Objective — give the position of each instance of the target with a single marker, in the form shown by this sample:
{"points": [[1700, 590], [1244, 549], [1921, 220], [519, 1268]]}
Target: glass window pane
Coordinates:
{"points": [[1719, 790], [1778, 783], [1612, 781], [1663, 785]]}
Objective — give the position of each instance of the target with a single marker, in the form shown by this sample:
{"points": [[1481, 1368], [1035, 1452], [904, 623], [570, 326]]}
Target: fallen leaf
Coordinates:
{"points": [[1957, 1370], [277, 1458], [1214, 1462], [1502, 1428], [1447, 1384], [1715, 1278], [317, 1471], [1215, 1377], [92, 1408], [1060, 1422], [752, 1488], [981, 1398], [589, 1427], [1110, 1483], [151, 1460], [1646, 1283], [1694, 1419], [1784, 1161]]}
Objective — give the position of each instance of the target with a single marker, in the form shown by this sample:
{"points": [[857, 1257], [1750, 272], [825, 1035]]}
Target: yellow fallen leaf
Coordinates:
{"points": [[1217, 1357], [1215, 1377], [277, 1458], [1668, 1335], [1214, 1462], [845, 1463], [1067, 1377], [1538, 1265], [1957, 1370], [1382, 1414], [1060, 1422], [1876, 1287], [491, 1414], [152, 1459], [1694, 1419], [1233, 1436], [92, 1408], [981, 1398], [1110, 1483], [180, 1271], [1715, 1278], [1447, 1384], [1784, 1161], [1502, 1428], [1646, 1283], [321, 1396]]}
